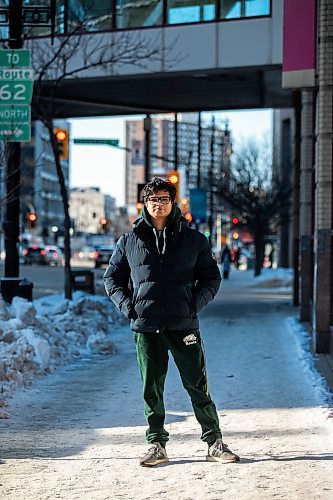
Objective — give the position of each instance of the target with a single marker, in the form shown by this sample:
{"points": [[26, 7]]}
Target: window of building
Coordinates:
{"points": [[104, 15], [189, 11], [94, 15], [131, 14], [245, 8]]}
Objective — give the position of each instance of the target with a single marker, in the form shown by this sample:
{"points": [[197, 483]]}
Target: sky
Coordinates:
{"points": [[104, 166]]}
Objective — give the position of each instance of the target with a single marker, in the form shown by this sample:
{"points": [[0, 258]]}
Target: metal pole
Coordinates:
{"points": [[210, 186], [199, 152], [218, 235], [11, 223], [187, 172], [147, 129], [176, 142]]}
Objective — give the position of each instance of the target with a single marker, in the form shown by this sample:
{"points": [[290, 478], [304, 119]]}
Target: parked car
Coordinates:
{"points": [[102, 255], [54, 256], [34, 254]]}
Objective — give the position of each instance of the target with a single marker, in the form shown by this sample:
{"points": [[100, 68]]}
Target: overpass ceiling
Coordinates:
{"points": [[169, 92]]}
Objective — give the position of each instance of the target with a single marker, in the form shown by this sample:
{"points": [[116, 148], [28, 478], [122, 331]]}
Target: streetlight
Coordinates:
{"points": [[55, 230]]}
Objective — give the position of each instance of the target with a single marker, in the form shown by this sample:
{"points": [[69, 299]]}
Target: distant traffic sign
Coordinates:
{"points": [[15, 133], [18, 58], [100, 142]]}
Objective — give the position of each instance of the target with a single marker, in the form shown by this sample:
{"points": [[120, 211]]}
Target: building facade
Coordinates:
{"points": [[40, 188], [88, 209]]}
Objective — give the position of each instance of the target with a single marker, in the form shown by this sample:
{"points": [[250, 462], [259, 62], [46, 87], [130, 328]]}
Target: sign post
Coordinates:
{"points": [[11, 224], [98, 142]]}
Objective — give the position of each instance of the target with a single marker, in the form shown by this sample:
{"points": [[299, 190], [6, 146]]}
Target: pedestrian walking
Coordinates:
{"points": [[160, 276], [226, 261], [236, 257]]}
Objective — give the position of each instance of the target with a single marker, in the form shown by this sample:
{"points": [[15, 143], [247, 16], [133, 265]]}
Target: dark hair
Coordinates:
{"points": [[157, 184]]}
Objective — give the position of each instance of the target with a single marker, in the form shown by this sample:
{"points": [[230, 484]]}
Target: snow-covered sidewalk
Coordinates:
{"points": [[77, 433]]}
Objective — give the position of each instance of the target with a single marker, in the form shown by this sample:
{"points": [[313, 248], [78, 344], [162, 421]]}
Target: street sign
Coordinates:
{"points": [[15, 133], [198, 204], [100, 142], [15, 114], [138, 152], [15, 58], [17, 92], [36, 16], [14, 74]]}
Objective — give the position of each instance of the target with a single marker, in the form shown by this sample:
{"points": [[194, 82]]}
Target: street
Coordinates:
{"points": [[78, 434], [48, 279]]}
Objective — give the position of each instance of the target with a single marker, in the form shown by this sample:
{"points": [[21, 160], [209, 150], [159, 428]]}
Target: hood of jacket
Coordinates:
{"points": [[175, 225]]}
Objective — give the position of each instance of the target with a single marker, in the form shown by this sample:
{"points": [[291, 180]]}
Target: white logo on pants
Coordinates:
{"points": [[190, 339]]}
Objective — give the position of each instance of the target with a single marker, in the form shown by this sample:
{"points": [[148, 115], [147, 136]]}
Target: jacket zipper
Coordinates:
{"points": [[163, 291]]}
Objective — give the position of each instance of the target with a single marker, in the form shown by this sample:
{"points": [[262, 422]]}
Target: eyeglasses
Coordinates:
{"points": [[161, 199]]}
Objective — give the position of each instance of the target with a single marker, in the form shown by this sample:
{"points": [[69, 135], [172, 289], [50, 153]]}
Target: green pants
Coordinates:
{"points": [[186, 348]]}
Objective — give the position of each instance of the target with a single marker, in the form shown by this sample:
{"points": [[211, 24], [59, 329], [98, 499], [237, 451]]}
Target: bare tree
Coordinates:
{"points": [[256, 195], [72, 56]]}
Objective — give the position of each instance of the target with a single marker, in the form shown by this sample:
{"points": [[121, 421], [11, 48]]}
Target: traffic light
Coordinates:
{"points": [[62, 137], [184, 205], [32, 220], [235, 220], [174, 177], [139, 206], [139, 197], [188, 216], [104, 224]]}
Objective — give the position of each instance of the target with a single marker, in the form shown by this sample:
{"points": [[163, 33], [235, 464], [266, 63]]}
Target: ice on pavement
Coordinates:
{"points": [[39, 337], [279, 278]]}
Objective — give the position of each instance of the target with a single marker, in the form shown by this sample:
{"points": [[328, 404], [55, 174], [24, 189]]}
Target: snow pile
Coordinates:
{"points": [[302, 340], [38, 337], [275, 278]]}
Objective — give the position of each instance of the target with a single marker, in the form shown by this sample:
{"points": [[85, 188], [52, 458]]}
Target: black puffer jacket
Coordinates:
{"points": [[162, 282]]}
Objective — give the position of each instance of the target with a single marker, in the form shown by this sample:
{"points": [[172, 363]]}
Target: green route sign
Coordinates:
{"points": [[16, 92], [16, 85], [15, 113], [100, 142], [15, 133], [16, 58]]}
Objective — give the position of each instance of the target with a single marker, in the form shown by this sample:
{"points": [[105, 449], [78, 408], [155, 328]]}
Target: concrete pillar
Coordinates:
{"points": [[286, 180], [306, 204], [323, 180], [296, 196]]}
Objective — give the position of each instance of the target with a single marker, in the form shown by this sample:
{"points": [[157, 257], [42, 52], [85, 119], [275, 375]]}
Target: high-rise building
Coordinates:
{"points": [[197, 165], [40, 188]]}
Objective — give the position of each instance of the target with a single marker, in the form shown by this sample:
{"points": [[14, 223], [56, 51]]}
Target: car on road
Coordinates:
{"points": [[102, 255], [34, 254], [40, 254], [54, 256]]}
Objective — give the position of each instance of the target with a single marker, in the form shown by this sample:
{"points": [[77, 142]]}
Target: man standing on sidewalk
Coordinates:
{"points": [[161, 275]]}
